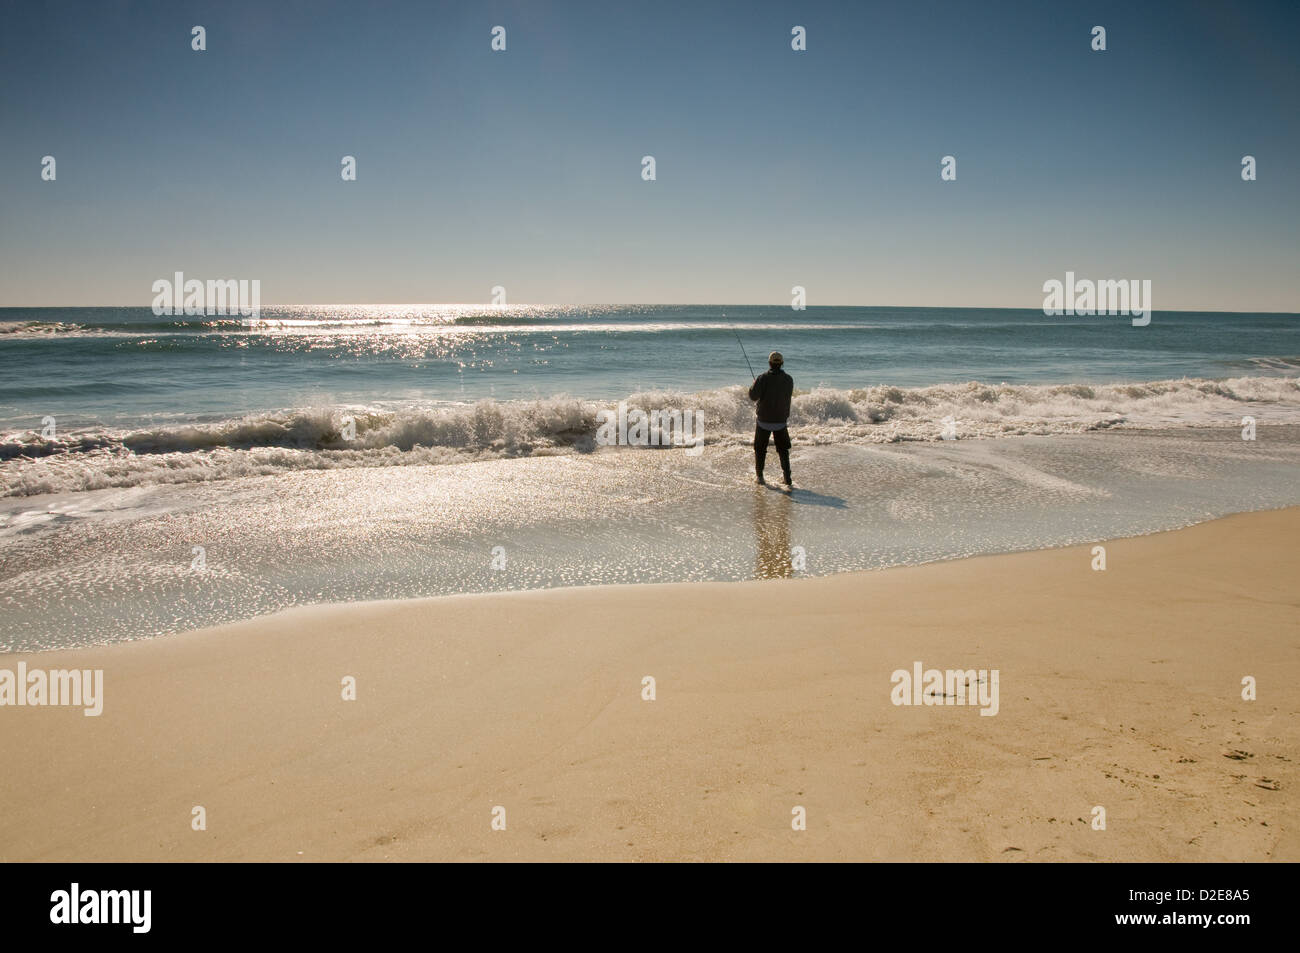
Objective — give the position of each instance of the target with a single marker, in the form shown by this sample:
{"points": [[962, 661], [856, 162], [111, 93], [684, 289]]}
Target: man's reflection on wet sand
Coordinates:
{"points": [[772, 532]]}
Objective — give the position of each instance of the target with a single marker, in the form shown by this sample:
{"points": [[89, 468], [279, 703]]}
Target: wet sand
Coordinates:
{"points": [[120, 564]]}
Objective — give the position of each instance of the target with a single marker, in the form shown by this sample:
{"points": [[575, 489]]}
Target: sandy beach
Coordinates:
{"points": [[1119, 688]]}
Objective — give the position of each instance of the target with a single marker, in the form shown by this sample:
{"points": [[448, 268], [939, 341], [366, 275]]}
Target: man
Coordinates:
{"points": [[772, 391]]}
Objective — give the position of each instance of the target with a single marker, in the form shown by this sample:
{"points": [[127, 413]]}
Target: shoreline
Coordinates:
{"points": [[116, 565], [381, 604], [1118, 689]]}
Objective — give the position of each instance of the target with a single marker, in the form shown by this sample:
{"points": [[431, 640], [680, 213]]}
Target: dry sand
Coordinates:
{"points": [[1119, 688]]}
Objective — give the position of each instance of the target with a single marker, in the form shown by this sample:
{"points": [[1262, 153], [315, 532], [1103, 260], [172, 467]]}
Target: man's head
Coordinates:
{"points": [[775, 360]]}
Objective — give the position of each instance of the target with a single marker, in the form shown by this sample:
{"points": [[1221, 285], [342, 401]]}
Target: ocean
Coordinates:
{"points": [[160, 474], [127, 367]]}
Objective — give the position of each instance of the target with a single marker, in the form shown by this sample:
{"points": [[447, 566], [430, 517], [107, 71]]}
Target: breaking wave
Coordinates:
{"points": [[322, 438]]}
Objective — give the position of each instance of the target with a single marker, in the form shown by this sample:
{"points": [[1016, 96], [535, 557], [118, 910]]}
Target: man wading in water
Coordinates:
{"points": [[772, 390]]}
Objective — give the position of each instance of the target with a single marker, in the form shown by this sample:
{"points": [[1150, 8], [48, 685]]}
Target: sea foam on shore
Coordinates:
{"points": [[420, 434]]}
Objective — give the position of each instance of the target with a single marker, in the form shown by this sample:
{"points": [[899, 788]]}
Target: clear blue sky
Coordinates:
{"points": [[775, 168]]}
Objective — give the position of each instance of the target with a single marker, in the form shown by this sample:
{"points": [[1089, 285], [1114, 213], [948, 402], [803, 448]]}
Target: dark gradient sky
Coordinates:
{"points": [[775, 168]]}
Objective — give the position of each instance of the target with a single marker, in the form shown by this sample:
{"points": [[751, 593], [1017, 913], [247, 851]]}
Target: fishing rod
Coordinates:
{"points": [[742, 351]]}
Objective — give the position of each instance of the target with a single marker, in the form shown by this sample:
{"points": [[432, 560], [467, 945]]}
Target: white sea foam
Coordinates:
{"points": [[99, 458]]}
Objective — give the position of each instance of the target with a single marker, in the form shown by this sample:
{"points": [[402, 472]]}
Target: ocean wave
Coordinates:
{"points": [[1274, 364], [328, 438], [39, 328], [119, 329]]}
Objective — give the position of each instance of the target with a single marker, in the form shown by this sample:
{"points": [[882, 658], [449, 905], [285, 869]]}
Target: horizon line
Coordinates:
{"points": [[616, 304]]}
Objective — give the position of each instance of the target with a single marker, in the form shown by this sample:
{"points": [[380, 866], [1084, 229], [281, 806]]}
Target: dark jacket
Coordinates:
{"points": [[772, 390]]}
